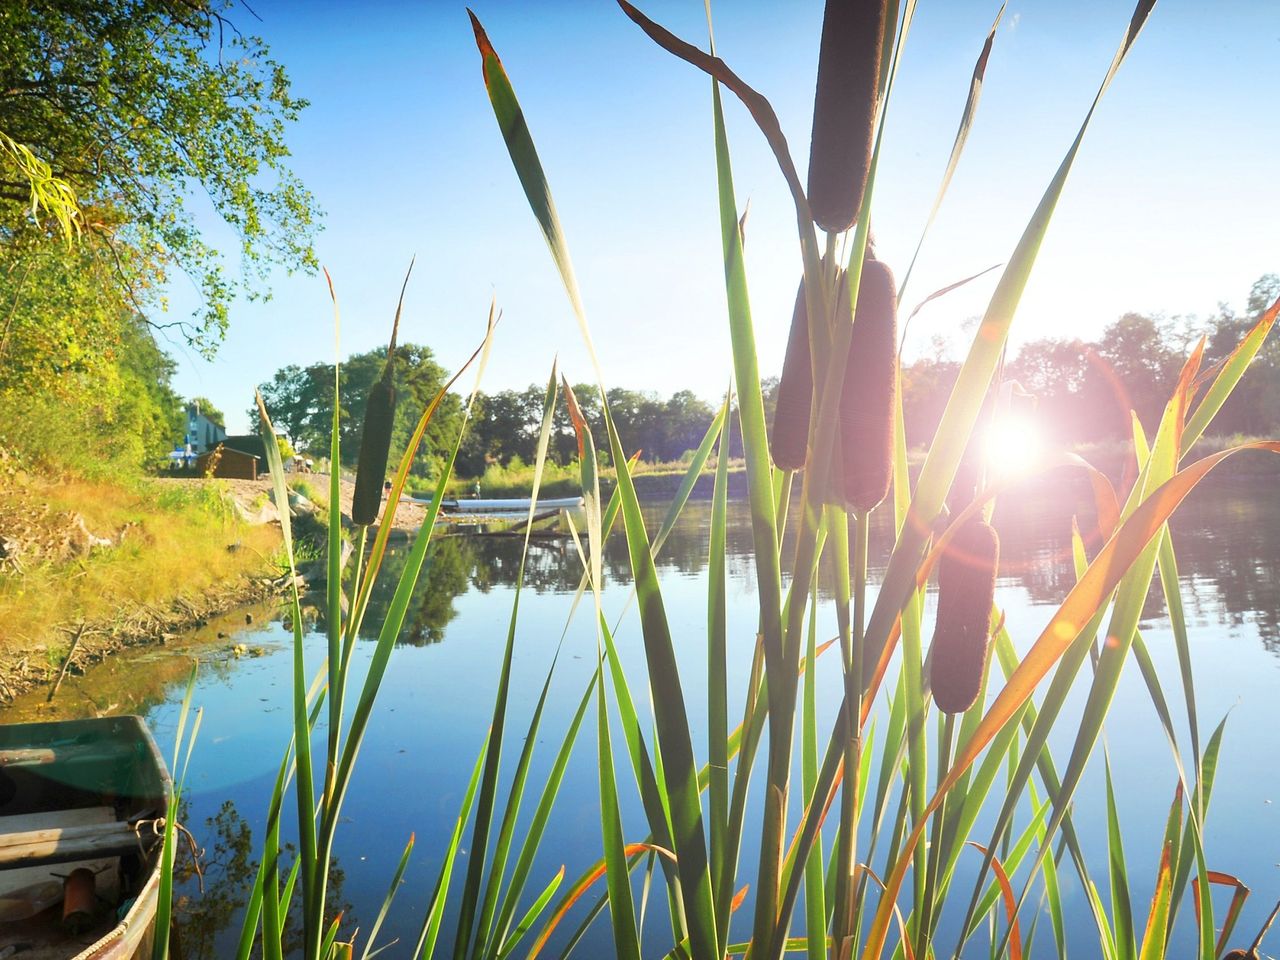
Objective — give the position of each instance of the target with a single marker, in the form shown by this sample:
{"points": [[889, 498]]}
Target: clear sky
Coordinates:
{"points": [[1172, 206]]}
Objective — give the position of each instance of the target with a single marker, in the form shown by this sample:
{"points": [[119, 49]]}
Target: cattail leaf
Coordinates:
{"points": [[1104, 574], [1236, 364], [430, 931], [1155, 938], [957, 147], [965, 402], [757, 105]]}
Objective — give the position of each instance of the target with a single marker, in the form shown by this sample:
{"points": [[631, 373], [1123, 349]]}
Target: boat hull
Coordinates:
{"points": [[83, 794]]}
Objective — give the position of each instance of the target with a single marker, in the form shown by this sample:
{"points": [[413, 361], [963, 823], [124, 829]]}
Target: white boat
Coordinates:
{"points": [[519, 505]]}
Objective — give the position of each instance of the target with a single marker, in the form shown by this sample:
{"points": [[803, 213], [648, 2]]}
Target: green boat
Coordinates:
{"points": [[80, 809]]}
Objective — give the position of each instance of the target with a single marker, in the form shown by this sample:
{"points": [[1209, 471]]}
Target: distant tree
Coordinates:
{"points": [[300, 402], [1254, 408], [926, 387], [206, 407]]}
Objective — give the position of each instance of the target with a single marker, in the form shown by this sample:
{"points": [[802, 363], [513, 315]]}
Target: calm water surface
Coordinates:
{"points": [[437, 701]]}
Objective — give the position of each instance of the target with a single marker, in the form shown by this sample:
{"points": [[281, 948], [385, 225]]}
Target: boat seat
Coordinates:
{"points": [[62, 836]]}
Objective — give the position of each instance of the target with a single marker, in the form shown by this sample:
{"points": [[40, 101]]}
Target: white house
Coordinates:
{"points": [[202, 433]]}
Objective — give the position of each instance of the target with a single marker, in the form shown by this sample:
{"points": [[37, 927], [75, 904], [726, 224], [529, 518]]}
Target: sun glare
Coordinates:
{"points": [[1013, 444]]}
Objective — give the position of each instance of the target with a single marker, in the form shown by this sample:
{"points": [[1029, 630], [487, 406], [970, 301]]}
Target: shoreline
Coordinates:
{"points": [[29, 667]]}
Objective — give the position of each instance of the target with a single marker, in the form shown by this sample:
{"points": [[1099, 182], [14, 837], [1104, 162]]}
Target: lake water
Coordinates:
{"points": [[437, 701]]}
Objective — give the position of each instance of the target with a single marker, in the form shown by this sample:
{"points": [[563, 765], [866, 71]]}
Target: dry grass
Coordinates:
{"points": [[163, 542]]}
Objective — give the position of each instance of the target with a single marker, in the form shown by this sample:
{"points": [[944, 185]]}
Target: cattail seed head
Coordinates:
{"points": [[844, 109], [375, 444], [962, 635], [866, 398], [789, 438]]}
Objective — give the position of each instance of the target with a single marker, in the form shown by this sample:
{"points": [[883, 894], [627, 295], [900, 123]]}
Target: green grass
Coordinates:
{"points": [[171, 540]]}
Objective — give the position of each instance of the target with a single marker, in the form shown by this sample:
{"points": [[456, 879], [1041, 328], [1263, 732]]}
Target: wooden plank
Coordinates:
{"points": [[105, 868]]}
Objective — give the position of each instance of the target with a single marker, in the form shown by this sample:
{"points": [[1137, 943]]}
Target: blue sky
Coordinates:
{"points": [[1171, 206]]}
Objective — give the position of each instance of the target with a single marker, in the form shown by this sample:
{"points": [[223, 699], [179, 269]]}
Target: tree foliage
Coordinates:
{"points": [[300, 400], [141, 106], [82, 380]]}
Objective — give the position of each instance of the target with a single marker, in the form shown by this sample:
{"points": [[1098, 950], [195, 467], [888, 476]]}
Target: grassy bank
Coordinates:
{"points": [[104, 553]]}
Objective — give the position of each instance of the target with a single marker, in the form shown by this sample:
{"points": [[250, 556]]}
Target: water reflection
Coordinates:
{"points": [[210, 904], [1229, 562]]}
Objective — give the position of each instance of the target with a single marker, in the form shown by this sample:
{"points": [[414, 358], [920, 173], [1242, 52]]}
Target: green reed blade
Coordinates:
{"points": [[626, 939], [479, 840], [330, 938], [260, 905], [531, 915], [957, 146], [814, 892], [1167, 561], [1228, 377], [672, 721], [424, 949], [1154, 940], [1012, 860], [1121, 907], [648, 774], [312, 883], [168, 848], [504, 939], [1199, 808], [717, 685], [333, 551]]}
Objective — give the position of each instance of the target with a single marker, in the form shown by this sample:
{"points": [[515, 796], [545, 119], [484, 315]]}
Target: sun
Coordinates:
{"points": [[1013, 444]]}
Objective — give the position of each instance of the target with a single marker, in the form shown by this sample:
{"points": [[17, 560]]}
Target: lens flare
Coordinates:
{"points": [[1013, 445]]}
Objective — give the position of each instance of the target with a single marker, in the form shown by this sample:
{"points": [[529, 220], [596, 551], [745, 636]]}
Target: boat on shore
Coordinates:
{"points": [[516, 505], [81, 803]]}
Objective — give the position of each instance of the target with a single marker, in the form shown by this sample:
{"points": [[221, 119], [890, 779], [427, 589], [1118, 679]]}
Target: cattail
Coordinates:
{"points": [[375, 435], [789, 439], [866, 399], [962, 636], [375, 444], [844, 109]]}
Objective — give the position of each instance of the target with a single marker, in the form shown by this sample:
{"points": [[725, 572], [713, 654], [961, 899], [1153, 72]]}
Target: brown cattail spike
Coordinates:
{"points": [[866, 398], [789, 439], [844, 109], [375, 444], [962, 636]]}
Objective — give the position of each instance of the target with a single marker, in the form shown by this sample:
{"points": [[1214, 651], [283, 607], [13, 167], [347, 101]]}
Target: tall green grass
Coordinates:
{"points": [[860, 828]]}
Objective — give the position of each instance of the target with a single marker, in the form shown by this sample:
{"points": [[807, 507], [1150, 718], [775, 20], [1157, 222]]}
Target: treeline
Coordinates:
{"points": [[1084, 391], [1086, 388]]}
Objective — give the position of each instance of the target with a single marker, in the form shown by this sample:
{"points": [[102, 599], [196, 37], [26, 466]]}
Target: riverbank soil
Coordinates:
{"points": [[106, 564]]}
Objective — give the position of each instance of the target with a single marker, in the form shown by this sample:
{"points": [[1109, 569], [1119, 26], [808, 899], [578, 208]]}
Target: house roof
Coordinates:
{"points": [[250, 444]]}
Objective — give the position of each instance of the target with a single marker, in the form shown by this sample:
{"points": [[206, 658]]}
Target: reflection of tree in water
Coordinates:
{"points": [[208, 923], [1229, 558], [1224, 535]]}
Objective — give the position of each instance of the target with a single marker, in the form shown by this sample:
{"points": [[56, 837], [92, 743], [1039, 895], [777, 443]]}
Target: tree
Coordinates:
{"points": [[83, 383], [206, 407], [300, 402], [137, 105]]}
